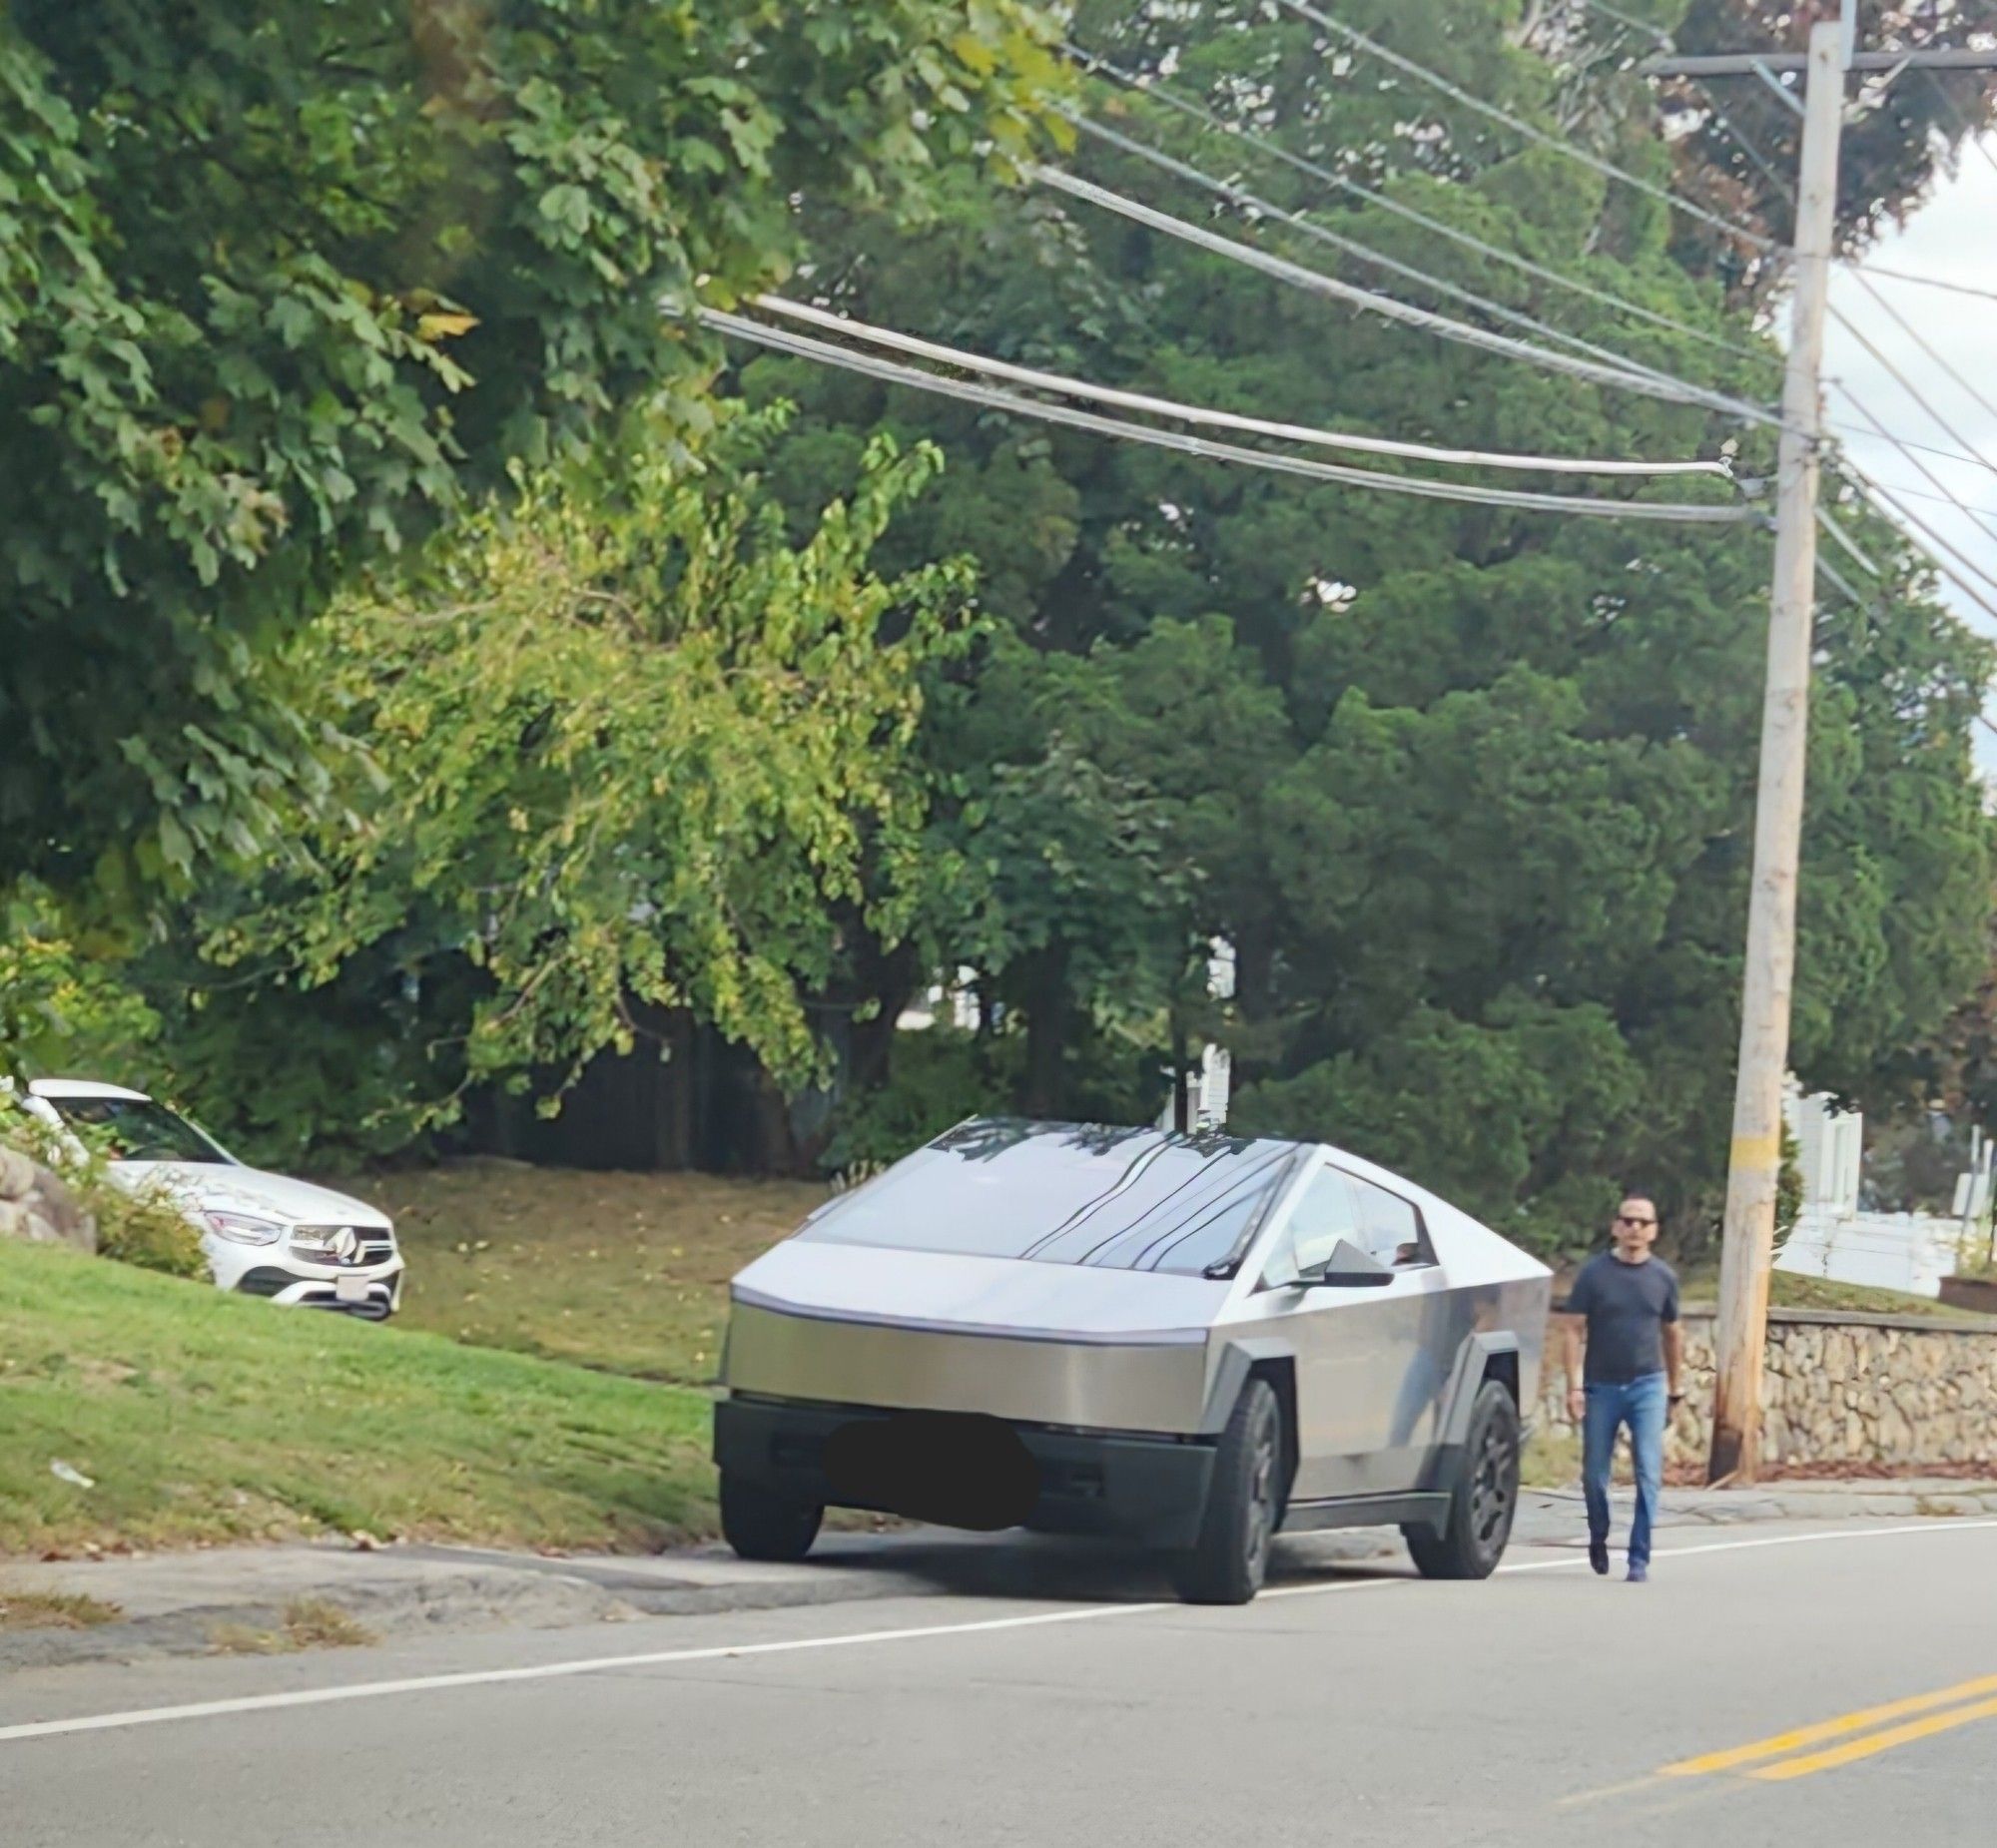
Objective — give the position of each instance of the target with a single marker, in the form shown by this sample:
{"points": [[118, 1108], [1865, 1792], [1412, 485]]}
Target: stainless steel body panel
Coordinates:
{"points": [[1095, 1385], [1372, 1366]]}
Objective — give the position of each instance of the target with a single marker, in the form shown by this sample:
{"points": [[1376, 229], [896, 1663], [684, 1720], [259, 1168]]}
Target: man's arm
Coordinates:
{"points": [[1571, 1330], [1674, 1352]]}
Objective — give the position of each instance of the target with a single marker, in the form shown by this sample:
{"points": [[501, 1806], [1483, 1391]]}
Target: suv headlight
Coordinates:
{"points": [[243, 1228]]}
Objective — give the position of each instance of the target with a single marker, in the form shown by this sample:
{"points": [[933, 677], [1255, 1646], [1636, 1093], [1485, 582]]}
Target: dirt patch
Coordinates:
{"points": [[54, 1611], [308, 1624]]}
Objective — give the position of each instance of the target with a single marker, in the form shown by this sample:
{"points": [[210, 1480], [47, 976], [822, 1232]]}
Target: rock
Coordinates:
{"points": [[17, 1174], [41, 1208]]}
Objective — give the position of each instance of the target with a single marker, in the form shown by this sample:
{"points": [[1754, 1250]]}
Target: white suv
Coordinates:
{"points": [[265, 1234]]}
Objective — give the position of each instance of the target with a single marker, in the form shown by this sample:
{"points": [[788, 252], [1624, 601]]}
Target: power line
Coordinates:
{"points": [[1219, 419], [892, 373], [1652, 384], [1905, 449], [1165, 93], [1240, 197], [1876, 494], [1914, 334], [1435, 80]]}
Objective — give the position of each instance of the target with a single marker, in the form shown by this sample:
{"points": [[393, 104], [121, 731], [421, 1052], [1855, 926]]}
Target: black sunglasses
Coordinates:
{"points": [[1626, 1219]]}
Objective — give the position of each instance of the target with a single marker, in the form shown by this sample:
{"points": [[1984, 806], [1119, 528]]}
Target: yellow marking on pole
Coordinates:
{"points": [[1757, 1151], [1842, 1726], [1886, 1741]]}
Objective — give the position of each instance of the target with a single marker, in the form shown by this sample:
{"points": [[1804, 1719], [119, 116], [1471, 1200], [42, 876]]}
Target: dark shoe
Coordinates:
{"points": [[1597, 1557], [1639, 1574]]}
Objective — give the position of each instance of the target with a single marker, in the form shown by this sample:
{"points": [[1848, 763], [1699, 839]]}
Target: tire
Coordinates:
{"points": [[1229, 1561], [1482, 1499], [761, 1525]]}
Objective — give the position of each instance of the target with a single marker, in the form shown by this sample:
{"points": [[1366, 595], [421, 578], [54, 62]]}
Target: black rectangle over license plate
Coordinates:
{"points": [[962, 1469]]}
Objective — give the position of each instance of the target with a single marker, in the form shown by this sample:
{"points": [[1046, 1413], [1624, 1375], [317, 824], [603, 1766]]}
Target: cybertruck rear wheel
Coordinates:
{"points": [[1229, 1561], [1482, 1499], [761, 1525]]}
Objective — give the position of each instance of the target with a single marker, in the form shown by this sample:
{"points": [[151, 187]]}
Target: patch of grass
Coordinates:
{"points": [[1550, 1458], [626, 1272], [308, 1624], [208, 1416], [54, 1611]]}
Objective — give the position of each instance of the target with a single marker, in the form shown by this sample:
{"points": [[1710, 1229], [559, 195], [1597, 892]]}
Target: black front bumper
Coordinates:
{"points": [[1148, 1489]]}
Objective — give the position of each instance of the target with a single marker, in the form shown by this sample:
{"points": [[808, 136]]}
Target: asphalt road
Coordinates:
{"points": [[1859, 1664]]}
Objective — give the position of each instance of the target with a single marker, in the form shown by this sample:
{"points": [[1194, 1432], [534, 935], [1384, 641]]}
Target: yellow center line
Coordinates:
{"points": [[1877, 1742], [1841, 1727]]}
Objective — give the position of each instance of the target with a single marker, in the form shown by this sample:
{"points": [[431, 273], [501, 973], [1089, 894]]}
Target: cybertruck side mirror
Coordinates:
{"points": [[1348, 1268]]}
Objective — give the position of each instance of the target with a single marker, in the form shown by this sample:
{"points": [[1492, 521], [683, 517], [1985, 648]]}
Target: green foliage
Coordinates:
{"points": [[623, 746], [146, 1228], [936, 1078], [59, 991], [280, 285], [1788, 1186], [1470, 792]]}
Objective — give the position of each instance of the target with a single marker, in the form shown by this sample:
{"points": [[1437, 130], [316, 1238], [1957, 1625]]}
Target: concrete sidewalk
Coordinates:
{"points": [[175, 1603]]}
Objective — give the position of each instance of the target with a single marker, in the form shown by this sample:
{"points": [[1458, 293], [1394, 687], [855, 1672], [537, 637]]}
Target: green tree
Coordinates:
{"points": [[280, 285], [1470, 790], [620, 748]]}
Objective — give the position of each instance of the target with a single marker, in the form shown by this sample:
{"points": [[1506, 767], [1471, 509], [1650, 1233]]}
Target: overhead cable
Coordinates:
{"points": [[1241, 198], [1907, 449], [1914, 334], [892, 372], [1900, 378], [1650, 384], [1435, 80], [1219, 419], [1844, 539], [1876, 494], [1386, 202]]}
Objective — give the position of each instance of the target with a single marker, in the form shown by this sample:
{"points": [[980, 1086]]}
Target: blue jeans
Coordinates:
{"points": [[1640, 1403]]}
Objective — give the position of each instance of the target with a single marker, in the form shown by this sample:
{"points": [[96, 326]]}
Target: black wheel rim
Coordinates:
{"points": [[1494, 1486], [1261, 1500]]}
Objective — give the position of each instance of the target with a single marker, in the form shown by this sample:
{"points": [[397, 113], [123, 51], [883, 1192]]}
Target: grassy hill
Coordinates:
{"points": [[201, 1417], [625, 1272]]}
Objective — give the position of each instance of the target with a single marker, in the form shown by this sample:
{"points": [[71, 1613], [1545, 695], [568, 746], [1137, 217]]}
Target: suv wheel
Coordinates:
{"points": [[1482, 1499], [761, 1525], [1244, 1502]]}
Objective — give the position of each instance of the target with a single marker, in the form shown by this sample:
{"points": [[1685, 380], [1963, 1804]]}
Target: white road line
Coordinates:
{"points": [[550, 1672]]}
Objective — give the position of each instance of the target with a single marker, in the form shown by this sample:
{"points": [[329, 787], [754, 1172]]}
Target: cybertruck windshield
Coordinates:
{"points": [[1056, 1193]]}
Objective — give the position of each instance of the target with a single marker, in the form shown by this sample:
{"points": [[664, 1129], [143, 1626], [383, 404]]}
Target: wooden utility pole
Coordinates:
{"points": [[1755, 1166]]}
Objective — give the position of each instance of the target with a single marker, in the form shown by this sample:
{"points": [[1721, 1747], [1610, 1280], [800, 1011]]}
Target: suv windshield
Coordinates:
{"points": [[137, 1129], [1125, 1199]]}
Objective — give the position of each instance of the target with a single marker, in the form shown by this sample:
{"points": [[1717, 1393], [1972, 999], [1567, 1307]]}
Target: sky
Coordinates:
{"points": [[1952, 235]]}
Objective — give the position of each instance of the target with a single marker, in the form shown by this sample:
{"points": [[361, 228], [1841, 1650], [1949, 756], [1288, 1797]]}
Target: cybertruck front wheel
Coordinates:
{"points": [[1229, 1561], [1483, 1499], [760, 1525]]}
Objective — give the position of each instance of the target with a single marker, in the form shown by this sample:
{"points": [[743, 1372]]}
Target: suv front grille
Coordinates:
{"points": [[375, 1247]]}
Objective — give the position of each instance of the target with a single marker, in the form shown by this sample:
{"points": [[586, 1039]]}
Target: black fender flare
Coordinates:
{"points": [[1453, 1432]]}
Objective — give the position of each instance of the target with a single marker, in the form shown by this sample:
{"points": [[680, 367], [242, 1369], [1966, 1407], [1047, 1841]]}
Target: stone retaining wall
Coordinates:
{"points": [[1842, 1388]]}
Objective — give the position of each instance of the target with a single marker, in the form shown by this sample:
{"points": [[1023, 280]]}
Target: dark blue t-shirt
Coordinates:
{"points": [[1626, 1306]]}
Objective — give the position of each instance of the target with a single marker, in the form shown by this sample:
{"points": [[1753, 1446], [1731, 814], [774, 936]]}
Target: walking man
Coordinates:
{"points": [[1624, 1307]]}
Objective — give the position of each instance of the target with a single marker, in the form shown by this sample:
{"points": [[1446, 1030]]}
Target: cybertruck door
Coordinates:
{"points": [[1372, 1363]]}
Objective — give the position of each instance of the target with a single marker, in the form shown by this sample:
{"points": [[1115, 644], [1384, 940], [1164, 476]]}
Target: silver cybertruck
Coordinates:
{"points": [[1189, 1342]]}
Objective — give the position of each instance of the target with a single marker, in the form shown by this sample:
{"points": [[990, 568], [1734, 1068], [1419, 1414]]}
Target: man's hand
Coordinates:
{"points": [[1577, 1404]]}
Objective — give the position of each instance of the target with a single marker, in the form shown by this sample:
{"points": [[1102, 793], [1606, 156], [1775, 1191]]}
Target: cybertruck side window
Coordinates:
{"points": [[1391, 1228], [1327, 1211]]}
